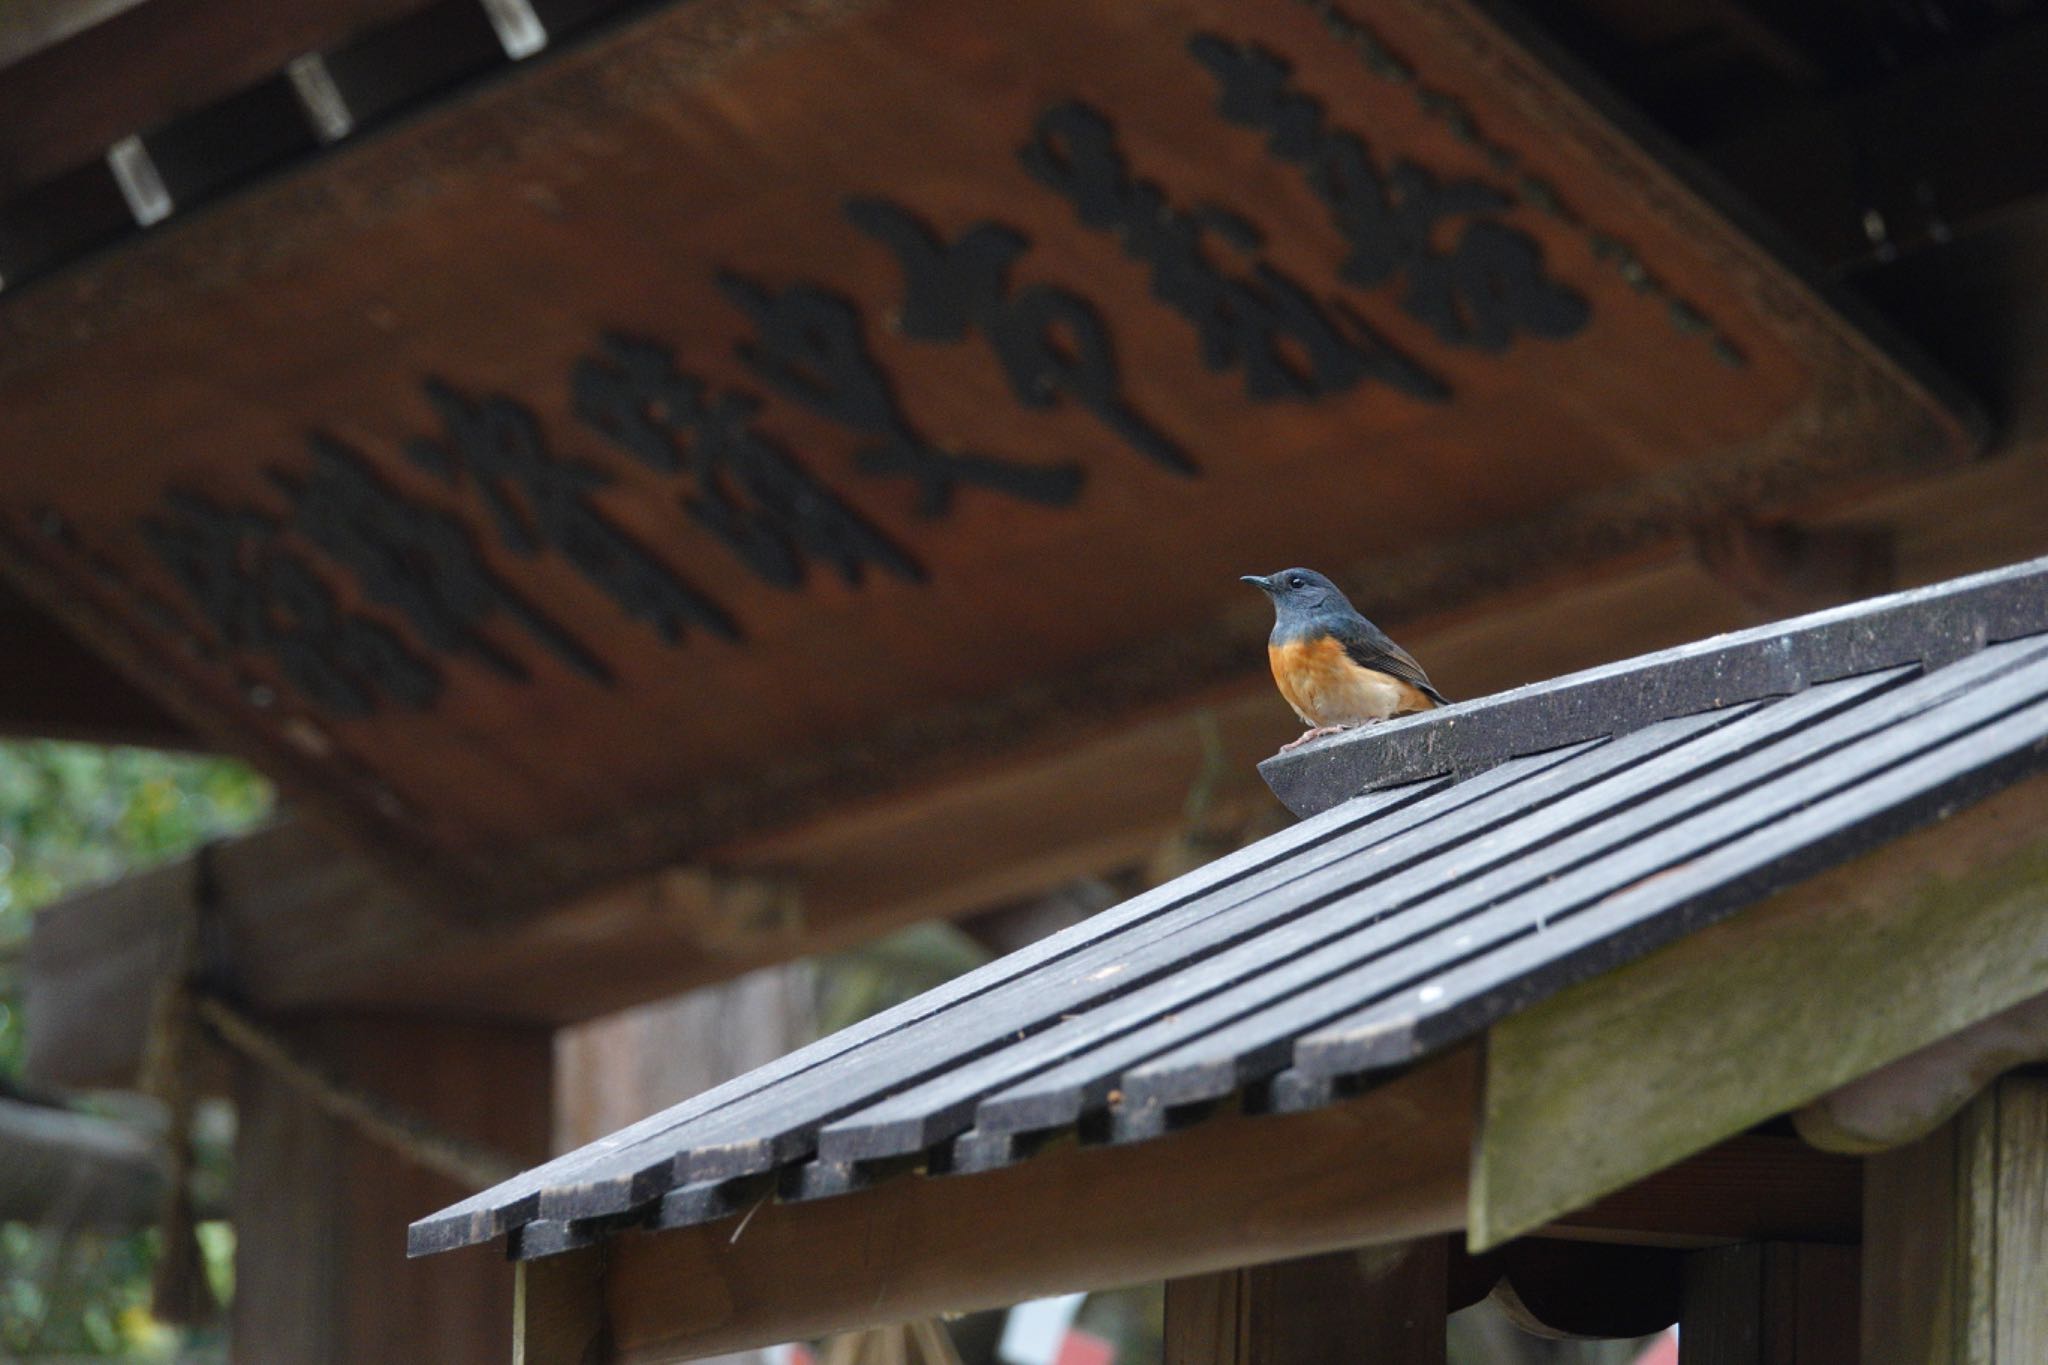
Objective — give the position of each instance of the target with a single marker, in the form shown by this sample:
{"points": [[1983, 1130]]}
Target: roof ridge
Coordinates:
{"points": [[1928, 626]]}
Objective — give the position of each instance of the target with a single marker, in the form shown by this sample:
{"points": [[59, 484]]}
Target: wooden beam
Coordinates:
{"points": [[1762, 1013], [1770, 1304], [1784, 569], [1384, 1304], [320, 1213], [1385, 1167], [1956, 1237], [68, 692], [65, 104], [29, 26], [1083, 1218], [1754, 1187], [558, 1310], [77, 1170]]}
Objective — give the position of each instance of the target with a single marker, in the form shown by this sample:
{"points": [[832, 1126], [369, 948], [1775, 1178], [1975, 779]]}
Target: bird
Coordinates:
{"points": [[1334, 667]]}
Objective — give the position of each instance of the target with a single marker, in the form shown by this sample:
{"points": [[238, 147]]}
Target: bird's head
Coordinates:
{"points": [[1299, 592]]}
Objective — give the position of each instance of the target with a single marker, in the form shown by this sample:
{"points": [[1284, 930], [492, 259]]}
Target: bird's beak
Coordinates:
{"points": [[1264, 585]]}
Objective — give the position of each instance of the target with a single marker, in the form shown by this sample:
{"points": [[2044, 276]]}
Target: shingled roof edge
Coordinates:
{"points": [[1919, 745], [1929, 626]]}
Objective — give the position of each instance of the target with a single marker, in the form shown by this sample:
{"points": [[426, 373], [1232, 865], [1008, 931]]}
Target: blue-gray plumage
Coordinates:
{"points": [[1334, 667]]}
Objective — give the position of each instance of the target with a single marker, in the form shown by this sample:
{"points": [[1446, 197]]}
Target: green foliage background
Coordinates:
{"points": [[72, 815]]}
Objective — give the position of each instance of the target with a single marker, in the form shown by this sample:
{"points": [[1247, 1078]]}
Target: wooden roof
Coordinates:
{"points": [[740, 413], [1496, 853]]}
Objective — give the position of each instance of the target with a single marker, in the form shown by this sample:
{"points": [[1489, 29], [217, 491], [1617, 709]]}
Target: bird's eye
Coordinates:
{"points": [[1297, 582]]}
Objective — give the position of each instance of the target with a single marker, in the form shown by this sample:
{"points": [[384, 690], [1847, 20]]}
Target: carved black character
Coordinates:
{"points": [[262, 597], [750, 492], [1492, 285], [419, 560], [1478, 292], [1050, 342], [809, 348], [540, 500], [1265, 324]]}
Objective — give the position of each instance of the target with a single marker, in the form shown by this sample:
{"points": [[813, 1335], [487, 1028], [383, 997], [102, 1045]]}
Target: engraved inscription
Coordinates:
{"points": [[1262, 322], [809, 348], [262, 597], [1441, 247], [747, 489], [540, 500], [1052, 343], [418, 560], [1479, 292]]}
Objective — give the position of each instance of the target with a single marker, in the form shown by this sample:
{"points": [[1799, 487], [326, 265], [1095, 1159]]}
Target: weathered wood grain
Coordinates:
{"points": [[1254, 1190], [1913, 941], [1771, 1303], [1384, 1304], [558, 1310], [1724, 838], [1910, 1098], [1751, 1188], [320, 1212], [1955, 1251], [632, 1164], [1425, 914]]}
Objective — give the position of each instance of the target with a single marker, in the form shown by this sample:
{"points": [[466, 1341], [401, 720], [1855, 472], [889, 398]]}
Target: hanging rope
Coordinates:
{"points": [[183, 1010], [179, 1290], [376, 1118]]}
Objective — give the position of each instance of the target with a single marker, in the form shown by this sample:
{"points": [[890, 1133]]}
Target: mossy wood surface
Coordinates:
{"points": [[1638, 1069]]}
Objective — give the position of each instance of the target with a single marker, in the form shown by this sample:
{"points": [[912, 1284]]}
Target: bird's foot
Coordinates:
{"points": [[1319, 732]]}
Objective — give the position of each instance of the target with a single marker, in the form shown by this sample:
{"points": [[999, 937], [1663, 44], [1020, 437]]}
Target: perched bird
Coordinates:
{"points": [[1336, 668]]}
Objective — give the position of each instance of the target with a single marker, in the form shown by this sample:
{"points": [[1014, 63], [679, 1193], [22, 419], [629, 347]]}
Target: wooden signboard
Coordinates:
{"points": [[768, 402]]}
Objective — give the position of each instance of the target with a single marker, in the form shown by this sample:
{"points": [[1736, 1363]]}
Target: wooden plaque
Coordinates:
{"points": [[768, 403]]}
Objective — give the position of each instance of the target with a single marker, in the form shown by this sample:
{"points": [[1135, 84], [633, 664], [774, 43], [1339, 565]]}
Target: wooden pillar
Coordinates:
{"points": [[1956, 1237], [1770, 1303], [1375, 1306], [619, 1069], [320, 1212]]}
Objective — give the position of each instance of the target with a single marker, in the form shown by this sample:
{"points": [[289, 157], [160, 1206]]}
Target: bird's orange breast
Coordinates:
{"points": [[1326, 686]]}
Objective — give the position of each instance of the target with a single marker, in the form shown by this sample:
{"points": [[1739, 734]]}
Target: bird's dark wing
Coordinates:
{"points": [[1369, 647]]}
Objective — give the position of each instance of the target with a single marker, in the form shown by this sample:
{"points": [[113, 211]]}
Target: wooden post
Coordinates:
{"points": [[1375, 1306], [1770, 1303], [320, 1212], [559, 1307], [621, 1068], [1956, 1237]]}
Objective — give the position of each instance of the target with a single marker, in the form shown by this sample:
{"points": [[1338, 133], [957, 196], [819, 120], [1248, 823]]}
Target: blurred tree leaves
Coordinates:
{"points": [[72, 815]]}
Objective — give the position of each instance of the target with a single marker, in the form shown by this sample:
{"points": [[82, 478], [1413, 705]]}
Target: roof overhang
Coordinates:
{"points": [[1727, 881], [569, 478]]}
